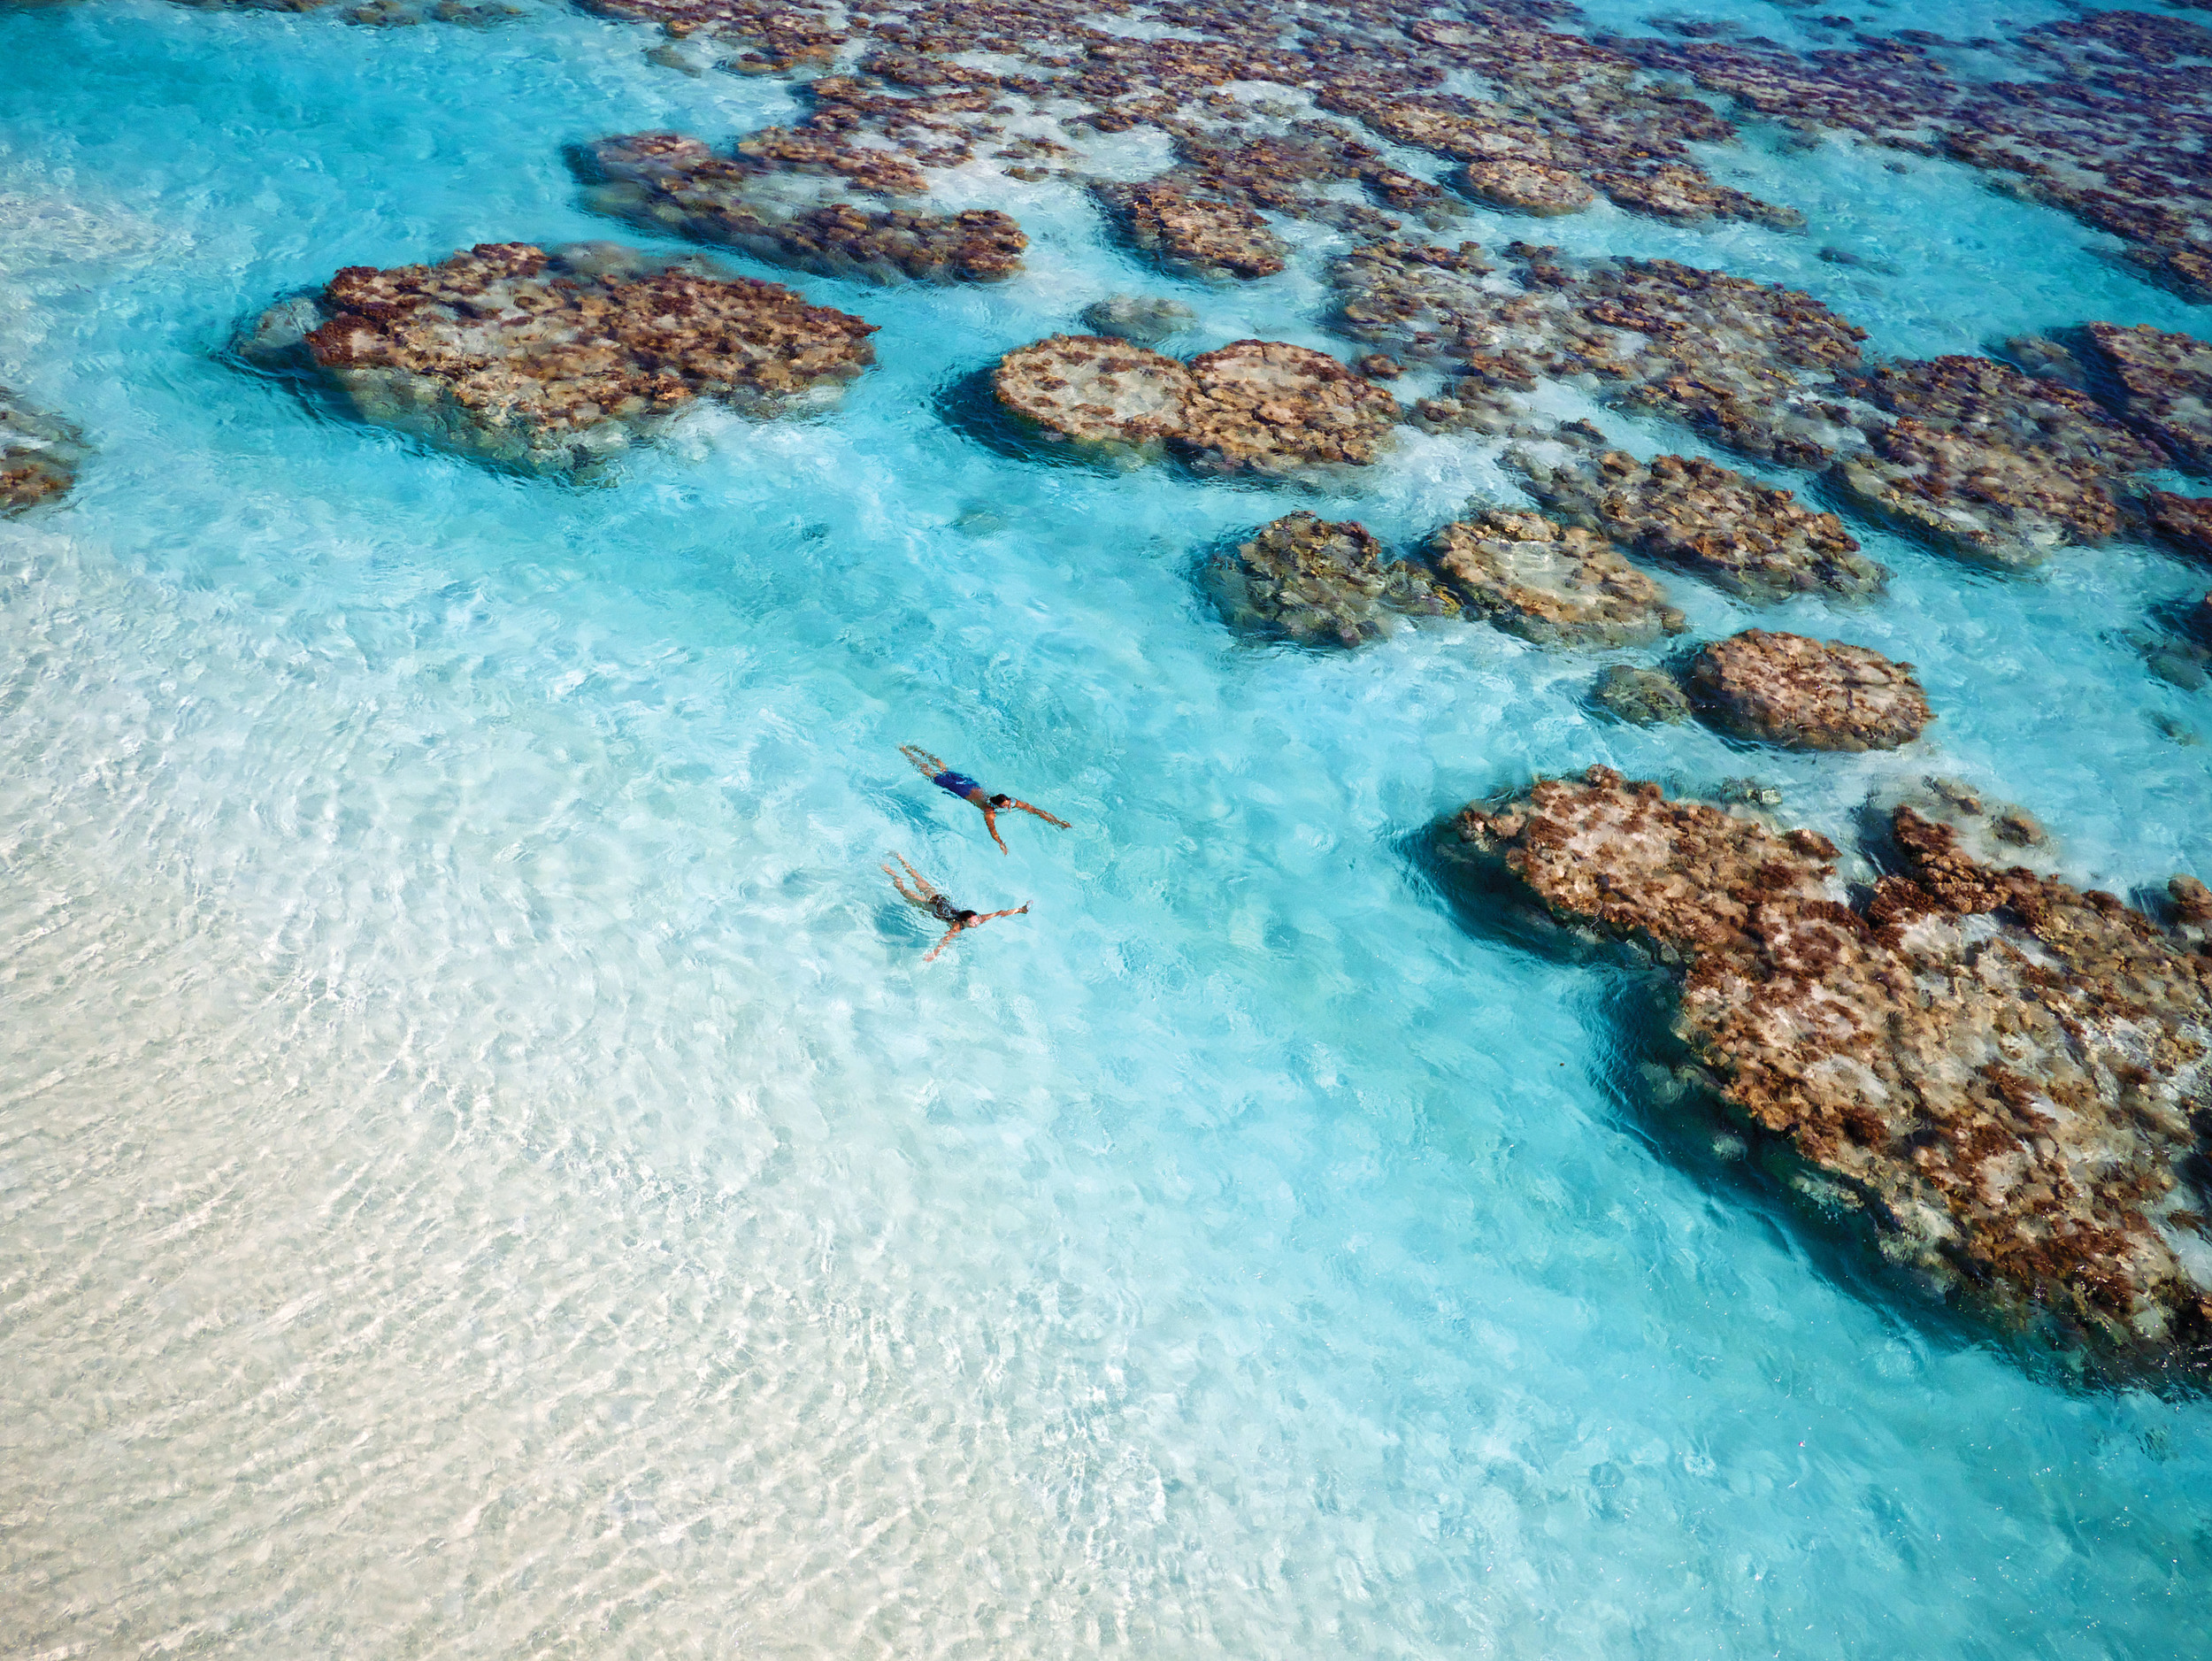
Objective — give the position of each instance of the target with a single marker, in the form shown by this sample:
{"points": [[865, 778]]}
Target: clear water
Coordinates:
{"points": [[483, 1170]]}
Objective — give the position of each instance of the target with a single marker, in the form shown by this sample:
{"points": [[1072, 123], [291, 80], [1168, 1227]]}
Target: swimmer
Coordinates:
{"points": [[921, 895], [968, 790]]}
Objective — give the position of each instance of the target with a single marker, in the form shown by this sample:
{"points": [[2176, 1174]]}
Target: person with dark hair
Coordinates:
{"points": [[968, 790], [924, 898]]}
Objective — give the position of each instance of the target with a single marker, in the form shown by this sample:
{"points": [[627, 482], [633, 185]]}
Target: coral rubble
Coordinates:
{"points": [[552, 361], [1805, 694], [2000, 1071]]}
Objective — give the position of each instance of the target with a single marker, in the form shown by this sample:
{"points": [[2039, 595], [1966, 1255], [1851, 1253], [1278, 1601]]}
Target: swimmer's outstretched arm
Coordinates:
{"points": [[990, 823], [1049, 819], [972, 923], [925, 764]]}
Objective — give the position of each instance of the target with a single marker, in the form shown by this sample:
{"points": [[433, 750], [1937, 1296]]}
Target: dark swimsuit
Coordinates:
{"points": [[944, 911], [961, 786]]}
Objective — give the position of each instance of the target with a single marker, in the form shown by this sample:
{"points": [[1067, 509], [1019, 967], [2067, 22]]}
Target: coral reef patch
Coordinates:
{"points": [[1554, 584], [1805, 694], [1752, 541], [1314, 582], [553, 361], [1264, 407], [811, 217], [2002, 1073]]}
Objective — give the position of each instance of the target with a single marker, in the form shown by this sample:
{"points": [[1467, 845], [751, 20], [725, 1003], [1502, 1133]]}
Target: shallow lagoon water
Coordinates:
{"points": [[485, 1171]]}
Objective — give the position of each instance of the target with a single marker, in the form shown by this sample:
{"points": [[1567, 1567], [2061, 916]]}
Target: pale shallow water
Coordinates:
{"points": [[483, 1170]]}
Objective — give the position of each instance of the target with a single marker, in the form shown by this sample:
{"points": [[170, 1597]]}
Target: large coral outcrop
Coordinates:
{"points": [[1262, 407], [1269, 407], [1805, 694], [1096, 393], [1995, 464], [553, 361], [1191, 234], [1321, 583], [2005, 1074], [1554, 584]]}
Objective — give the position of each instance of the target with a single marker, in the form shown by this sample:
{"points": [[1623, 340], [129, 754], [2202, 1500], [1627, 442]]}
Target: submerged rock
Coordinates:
{"points": [[806, 217], [1643, 697], [1999, 1071], [1146, 318], [1554, 584], [551, 362], [1316, 582], [39, 454], [1805, 694], [1759, 543], [1193, 236]]}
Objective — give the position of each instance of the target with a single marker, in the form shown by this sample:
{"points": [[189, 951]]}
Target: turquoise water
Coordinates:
{"points": [[484, 1171]]}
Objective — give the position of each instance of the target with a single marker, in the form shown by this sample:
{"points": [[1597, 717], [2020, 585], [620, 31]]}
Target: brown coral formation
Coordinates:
{"points": [[1554, 584], [1999, 1070], [1759, 543], [1264, 407], [1318, 583], [1992, 463], [1519, 186], [1803, 694], [665, 182], [2184, 521], [1193, 236], [2164, 387], [1269, 407], [553, 361], [1732, 357], [1095, 392], [39, 454], [379, 13]]}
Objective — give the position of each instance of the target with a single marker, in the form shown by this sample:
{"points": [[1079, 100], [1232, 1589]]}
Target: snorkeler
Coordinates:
{"points": [[968, 790], [937, 906]]}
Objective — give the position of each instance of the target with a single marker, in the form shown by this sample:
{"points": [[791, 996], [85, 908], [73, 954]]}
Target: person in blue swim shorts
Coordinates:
{"points": [[968, 790]]}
